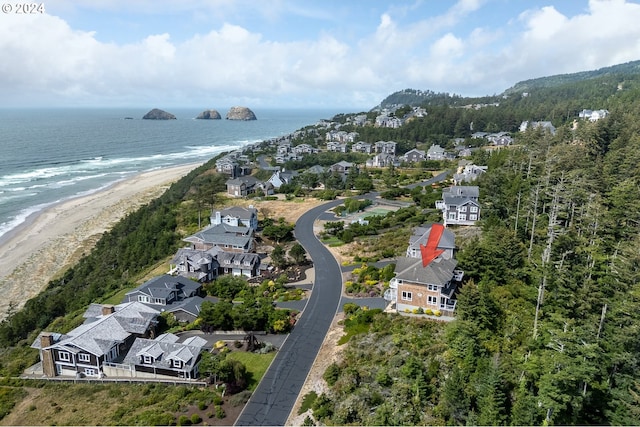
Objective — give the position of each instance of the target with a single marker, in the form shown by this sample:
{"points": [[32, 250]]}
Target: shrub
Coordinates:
{"points": [[438, 313], [196, 419], [414, 311], [332, 374], [420, 310], [183, 420], [428, 311], [202, 405], [220, 412]]}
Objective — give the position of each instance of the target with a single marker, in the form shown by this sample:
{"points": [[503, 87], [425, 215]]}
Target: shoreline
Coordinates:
{"points": [[54, 238]]}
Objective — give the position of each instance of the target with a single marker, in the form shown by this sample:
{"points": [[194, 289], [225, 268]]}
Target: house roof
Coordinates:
{"points": [[239, 212], [421, 235], [250, 258], [99, 336], [438, 272], [247, 180], [162, 286], [163, 352], [223, 234]]}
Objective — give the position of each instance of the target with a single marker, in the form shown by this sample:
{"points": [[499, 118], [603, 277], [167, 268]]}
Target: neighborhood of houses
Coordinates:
{"points": [[121, 340]]}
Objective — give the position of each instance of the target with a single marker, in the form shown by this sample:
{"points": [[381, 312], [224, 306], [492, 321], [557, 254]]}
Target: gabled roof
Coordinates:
{"points": [[437, 272], [162, 286], [239, 212], [421, 235], [164, 351], [99, 336]]}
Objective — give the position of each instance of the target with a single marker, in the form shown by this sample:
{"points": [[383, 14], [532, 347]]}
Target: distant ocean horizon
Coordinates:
{"points": [[51, 155]]}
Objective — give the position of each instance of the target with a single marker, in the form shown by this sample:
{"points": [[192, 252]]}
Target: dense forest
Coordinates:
{"points": [[548, 326]]}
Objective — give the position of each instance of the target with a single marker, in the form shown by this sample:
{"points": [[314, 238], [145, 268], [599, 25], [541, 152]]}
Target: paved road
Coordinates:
{"points": [[273, 399]]}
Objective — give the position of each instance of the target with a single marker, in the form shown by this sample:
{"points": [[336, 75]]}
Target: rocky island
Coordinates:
{"points": [[157, 114], [209, 115], [240, 113]]}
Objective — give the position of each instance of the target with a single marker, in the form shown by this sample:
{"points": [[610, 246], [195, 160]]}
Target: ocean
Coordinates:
{"points": [[51, 155]]}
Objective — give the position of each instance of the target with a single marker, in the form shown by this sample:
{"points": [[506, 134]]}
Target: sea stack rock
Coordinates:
{"points": [[240, 113], [209, 115], [157, 114]]}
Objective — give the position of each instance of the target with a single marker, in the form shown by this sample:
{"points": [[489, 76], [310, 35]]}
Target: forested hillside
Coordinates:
{"points": [[548, 326]]}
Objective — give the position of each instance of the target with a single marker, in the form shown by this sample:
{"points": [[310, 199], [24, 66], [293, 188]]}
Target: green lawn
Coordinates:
{"points": [[257, 364]]}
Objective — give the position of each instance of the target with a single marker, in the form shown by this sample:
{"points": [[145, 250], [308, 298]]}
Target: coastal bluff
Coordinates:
{"points": [[209, 115], [240, 113], [157, 114]]}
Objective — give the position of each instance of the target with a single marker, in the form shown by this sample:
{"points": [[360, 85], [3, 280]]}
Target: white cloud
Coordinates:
{"points": [[46, 59]]}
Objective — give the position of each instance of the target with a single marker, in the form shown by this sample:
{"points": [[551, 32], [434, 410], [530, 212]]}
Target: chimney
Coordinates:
{"points": [[46, 339], [46, 356], [108, 309]]}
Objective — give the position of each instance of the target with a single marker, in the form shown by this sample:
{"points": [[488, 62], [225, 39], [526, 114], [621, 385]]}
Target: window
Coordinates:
{"points": [[432, 287], [143, 298], [474, 209], [452, 215], [147, 359], [90, 372], [473, 217], [463, 217], [432, 300], [64, 356], [407, 296], [176, 363], [84, 357]]}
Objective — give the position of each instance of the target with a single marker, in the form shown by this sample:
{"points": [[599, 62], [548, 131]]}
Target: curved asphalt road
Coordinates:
{"points": [[273, 399]]}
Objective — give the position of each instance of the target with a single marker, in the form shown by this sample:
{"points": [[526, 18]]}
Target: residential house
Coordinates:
{"points": [[107, 334], [337, 147], [342, 167], [383, 160], [593, 115], [226, 237], [174, 294], [435, 152], [165, 357], [500, 139], [243, 186], [362, 147], [239, 264], [385, 121], [195, 264], [427, 278], [282, 177], [544, 126], [420, 237], [459, 205], [228, 166], [414, 155], [236, 216], [303, 149], [387, 147], [468, 173]]}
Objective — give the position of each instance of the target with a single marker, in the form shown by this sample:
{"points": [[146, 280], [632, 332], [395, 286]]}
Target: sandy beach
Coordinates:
{"points": [[52, 240]]}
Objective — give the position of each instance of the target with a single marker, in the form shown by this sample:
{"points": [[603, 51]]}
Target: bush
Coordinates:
{"points": [[428, 311], [196, 419], [202, 405], [437, 313], [220, 412], [332, 374], [184, 421]]}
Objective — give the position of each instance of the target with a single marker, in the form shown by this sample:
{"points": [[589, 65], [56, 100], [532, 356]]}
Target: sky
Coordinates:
{"points": [[347, 54]]}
